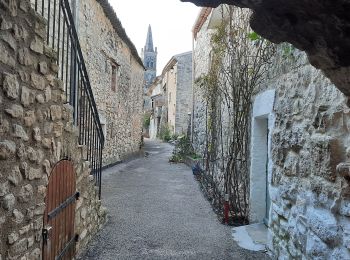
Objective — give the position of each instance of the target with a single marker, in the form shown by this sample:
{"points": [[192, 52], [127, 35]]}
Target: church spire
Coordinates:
{"points": [[149, 41]]}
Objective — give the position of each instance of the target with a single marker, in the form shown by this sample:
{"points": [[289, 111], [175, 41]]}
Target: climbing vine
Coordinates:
{"points": [[239, 61]]}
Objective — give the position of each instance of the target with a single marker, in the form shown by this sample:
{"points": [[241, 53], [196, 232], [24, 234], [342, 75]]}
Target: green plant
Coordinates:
{"points": [[164, 134], [146, 120], [174, 137], [183, 148]]}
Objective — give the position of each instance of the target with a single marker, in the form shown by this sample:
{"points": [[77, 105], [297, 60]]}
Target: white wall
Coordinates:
{"points": [[262, 124]]}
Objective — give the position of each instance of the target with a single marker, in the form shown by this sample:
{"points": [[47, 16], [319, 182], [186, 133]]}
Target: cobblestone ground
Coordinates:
{"points": [[157, 211]]}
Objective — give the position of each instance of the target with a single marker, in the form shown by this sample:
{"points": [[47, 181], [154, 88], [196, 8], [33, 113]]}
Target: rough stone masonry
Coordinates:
{"points": [[106, 48], [36, 131], [309, 217]]}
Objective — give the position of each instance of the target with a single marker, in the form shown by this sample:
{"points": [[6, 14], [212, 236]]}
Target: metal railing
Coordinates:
{"points": [[61, 36]]}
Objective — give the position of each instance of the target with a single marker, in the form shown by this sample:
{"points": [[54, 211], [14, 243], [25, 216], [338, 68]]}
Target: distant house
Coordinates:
{"points": [[177, 82], [157, 100]]}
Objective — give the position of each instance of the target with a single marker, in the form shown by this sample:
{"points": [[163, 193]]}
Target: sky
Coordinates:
{"points": [[171, 22]]}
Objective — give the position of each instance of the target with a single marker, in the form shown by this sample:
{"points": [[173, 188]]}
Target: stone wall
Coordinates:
{"points": [[309, 213], [183, 91], [120, 110], [36, 131], [201, 62]]}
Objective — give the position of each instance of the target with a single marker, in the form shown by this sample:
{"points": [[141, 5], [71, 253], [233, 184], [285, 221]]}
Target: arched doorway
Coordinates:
{"points": [[58, 234]]}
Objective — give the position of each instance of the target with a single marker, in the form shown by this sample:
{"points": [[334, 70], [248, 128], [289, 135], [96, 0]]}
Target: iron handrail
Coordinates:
{"points": [[62, 37]]}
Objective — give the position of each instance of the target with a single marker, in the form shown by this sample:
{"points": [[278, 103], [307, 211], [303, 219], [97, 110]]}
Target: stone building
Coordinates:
{"points": [[298, 149], [177, 77], [53, 123], [38, 135], [149, 58], [116, 74], [157, 97]]}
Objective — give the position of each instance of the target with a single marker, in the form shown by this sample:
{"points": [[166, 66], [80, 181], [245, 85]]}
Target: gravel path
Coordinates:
{"points": [[156, 211]]}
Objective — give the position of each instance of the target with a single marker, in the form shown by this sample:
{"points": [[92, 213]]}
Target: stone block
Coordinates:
{"points": [[40, 26], [46, 143], [34, 174], [50, 53], [7, 149], [40, 99], [36, 134], [19, 132], [40, 115], [4, 188], [26, 193], [40, 209], [291, 164], [58, 129], [30, 241], [6, 57], [37, 45], [340, 254], [4, 125], [8, 202], [324, 225], [56, 112], [24, 57], [42, 190], [5, 24], [30, 213], [47, 94], [16, 111], [32, 154], [24, 230], [29, 118], [17, 216], [315, 248], [22, 152], [20, 32], [38, 223], [38, 81], [27, 96], [19, 247], [24, 6], [9, 39], [11, 86], [12, 238], [15, 176], [24, 76], [43, 68], [83, 213], [35, 254]]}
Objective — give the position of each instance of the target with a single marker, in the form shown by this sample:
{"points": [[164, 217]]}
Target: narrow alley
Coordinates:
{"points": [[157, 211]]}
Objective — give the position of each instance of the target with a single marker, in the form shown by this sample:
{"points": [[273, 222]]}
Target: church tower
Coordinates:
{"points": [[149, 58]]}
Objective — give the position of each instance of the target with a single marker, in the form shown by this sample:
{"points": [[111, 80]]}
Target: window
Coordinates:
{"points": [[114, 77]]}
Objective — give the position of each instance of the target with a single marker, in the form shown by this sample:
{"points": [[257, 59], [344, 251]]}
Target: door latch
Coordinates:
{"points": [[46, 234]]}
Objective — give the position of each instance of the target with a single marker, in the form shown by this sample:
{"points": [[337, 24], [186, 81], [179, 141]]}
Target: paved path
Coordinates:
{"points": [[156, 211]]}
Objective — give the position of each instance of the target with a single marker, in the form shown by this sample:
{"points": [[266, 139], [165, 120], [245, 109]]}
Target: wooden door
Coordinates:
{"points": [[58, 234]]}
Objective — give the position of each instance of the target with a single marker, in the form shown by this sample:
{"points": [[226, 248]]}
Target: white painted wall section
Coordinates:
{"points": [[262, 124]]}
